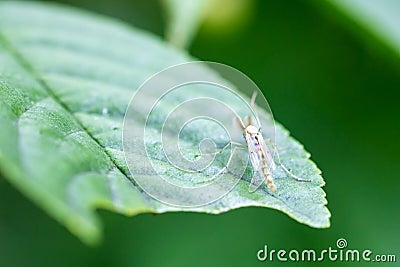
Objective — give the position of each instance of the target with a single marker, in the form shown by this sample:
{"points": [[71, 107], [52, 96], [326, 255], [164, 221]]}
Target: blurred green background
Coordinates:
{"points": [[334, 87]]}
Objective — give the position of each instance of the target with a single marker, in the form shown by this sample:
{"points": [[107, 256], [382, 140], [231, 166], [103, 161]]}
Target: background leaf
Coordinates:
{"points": [[379, 18], [184, 19], [66, 78]]}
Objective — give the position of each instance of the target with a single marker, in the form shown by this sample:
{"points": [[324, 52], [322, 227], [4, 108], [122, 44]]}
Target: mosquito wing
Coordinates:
{"points": [[255, 153], [267, 153], [253, 147]]}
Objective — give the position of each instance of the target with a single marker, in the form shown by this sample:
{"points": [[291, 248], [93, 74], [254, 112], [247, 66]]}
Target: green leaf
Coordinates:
{"points": [[184, 19], [381, 19], [66, 77]]}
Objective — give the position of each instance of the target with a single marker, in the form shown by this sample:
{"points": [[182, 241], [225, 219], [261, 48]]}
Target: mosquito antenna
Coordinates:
{"points": [[239, 121], [253, 106], [249, 120]]}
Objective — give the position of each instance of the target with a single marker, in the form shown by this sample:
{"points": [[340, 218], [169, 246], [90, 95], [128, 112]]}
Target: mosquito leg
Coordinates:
{"points": [[223, 169], [214, 153], [239, 145], [275, 146], [293, 175], [253, 106], [285, 169]]}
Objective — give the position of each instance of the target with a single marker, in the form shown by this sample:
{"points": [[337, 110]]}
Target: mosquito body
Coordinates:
{"points": [[260, 155]]}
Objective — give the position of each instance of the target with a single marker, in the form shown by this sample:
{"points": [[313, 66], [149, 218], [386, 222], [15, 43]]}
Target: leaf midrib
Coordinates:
{"points": [[31, 70]]}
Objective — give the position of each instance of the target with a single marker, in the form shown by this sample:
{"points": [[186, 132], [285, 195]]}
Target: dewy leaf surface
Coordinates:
{"points": [[66, 78]]}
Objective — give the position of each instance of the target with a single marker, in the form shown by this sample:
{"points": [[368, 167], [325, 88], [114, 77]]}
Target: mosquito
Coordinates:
{"points": [[260, 155]]}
